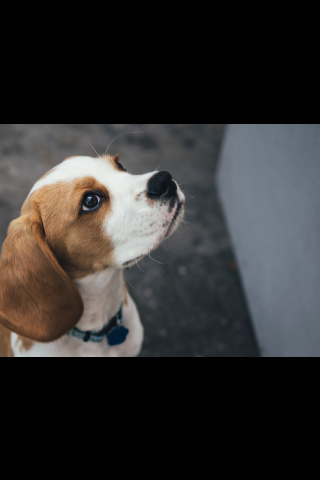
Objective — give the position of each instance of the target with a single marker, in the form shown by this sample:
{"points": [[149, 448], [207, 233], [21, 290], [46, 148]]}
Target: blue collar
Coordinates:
{"points": [[115, 333]]}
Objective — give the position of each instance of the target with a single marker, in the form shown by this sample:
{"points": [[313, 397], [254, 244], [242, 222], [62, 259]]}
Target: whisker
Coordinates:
{"points": [[128, 280], [164, 246], [140, 268], [93, 147], [160, 267], [189, 212], [186, 225], [160, 263], [134, 272], [121, 135], [188, 195]]}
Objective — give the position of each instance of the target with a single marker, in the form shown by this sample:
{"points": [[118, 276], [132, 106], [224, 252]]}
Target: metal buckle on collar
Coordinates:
{"points": [[119, 320]]}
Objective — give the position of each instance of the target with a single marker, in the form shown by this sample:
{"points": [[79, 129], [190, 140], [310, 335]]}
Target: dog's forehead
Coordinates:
{"points": [[102, 169]]}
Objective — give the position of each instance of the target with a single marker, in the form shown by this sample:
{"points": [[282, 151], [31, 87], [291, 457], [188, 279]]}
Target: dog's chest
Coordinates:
{"points": [[73, 347]]}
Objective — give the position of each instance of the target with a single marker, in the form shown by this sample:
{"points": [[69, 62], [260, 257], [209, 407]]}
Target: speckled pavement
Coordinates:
{"points": [[190, 297]]}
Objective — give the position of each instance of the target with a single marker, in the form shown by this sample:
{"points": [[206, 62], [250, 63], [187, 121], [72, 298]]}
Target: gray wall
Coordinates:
{"points": [[269, 183]]}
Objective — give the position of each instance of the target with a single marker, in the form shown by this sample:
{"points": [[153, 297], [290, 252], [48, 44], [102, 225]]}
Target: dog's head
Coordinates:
{"points": [[84, 216]]}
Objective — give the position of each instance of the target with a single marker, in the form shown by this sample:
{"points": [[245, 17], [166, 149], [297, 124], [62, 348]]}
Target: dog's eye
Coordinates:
{"points": [[90, 202]]}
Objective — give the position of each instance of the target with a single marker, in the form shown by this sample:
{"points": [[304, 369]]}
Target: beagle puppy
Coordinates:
{"points": [[62, 289]]}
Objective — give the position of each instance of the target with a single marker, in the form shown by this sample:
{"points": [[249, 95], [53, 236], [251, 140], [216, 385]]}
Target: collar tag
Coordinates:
{"points": [[117, 336], [115, 333]]}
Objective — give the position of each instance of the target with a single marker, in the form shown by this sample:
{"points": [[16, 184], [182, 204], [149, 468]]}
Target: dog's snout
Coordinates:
{"points": [[161, 185]]}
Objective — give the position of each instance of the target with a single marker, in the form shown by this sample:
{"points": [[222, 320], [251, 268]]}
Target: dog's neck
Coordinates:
{"points": [[103, 293]]}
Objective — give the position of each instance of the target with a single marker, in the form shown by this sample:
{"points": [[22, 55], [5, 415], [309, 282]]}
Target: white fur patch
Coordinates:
{"points": [[76, 167], [136, 225]]}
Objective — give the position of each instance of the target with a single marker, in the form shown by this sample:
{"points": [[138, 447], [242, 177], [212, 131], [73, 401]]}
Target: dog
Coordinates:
{"points": [[62, 288]]}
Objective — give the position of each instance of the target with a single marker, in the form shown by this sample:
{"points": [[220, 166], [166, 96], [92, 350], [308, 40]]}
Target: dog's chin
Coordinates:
{"points": [[176, 221]]}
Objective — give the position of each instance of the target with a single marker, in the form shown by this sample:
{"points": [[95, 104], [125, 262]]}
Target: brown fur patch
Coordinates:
{"points": [[115, 162], [5, 346], [26, 344], [75, 237], [37, 298], [116, 159]]}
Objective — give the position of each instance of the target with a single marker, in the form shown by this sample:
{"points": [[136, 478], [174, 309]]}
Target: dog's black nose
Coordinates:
{"points": [[161, 185]]}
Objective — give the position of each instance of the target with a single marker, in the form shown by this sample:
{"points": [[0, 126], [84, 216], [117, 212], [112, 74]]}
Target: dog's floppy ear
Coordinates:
{"points": [[37, 298]]}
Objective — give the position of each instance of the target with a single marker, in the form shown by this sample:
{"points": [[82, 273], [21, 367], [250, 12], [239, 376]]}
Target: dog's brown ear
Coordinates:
{"points": [[37, 298]]}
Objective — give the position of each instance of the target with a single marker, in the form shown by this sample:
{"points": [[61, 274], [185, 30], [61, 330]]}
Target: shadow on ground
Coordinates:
{"points": [[190, 297]]}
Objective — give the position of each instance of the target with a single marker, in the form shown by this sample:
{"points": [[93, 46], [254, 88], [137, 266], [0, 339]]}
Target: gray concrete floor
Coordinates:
{"points": [[191, 302]]}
